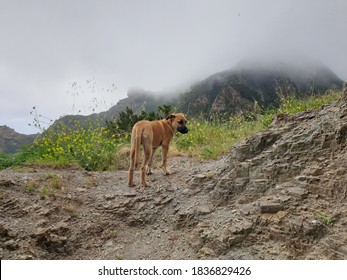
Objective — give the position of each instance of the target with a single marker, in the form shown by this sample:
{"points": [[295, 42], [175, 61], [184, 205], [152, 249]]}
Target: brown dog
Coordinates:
{"points": [[152, 134]]}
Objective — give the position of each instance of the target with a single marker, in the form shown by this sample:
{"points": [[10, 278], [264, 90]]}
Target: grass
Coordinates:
{"points": [[293, 105], [47, 185], [45, 192], [30, 186], [2, 193], [326, 219], [203, 135], [96, 148]]}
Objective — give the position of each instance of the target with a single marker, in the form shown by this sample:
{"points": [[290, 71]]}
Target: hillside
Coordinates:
{"points": [[252, 84], [11, 141], [280, 194]]}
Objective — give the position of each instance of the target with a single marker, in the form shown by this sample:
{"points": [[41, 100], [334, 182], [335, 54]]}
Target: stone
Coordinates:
{"points": [[203, 210], [206, 251], [270, 207], [129, 194], [297, 192], [6, 183], [11, 244], [109, 196]]}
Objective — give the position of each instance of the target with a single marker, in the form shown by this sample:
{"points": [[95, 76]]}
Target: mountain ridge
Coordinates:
{"points": [[11, 141], [238, 89], [249, 86]]}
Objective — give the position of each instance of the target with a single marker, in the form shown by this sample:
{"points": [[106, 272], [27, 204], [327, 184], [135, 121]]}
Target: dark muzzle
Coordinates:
{"points": [[182, 129]]}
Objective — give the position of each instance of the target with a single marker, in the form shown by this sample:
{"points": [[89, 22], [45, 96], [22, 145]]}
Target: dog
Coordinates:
{"points": [[152, 134]]}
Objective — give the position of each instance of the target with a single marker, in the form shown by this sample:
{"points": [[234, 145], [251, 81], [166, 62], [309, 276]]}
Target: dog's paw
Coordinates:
{"points": [[131, 185], [145, 184], [166, 171]]}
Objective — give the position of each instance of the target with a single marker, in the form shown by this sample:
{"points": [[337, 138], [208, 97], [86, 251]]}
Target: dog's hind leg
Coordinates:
{"points": [[147, 157], [131, 168], [134, 153]]}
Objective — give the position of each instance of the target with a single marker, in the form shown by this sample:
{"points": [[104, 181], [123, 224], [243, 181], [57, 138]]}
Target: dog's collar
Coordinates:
{"points": [[172, 130]]}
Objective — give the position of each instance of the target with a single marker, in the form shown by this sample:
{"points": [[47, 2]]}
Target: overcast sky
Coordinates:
{"points": [[48, 46]]}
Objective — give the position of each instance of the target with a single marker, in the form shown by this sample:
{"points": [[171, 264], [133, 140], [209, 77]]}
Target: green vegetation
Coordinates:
{"points": [[90, 148], [292, 105], [30, 186], [98, 147], [47, 185], [326, 219], [7, 160], [204, 134]]}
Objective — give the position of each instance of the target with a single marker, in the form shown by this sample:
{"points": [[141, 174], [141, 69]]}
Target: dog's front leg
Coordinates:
{"points": [[165, 150], [148, 169]]}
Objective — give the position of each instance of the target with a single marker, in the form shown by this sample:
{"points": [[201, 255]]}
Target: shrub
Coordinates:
{"points": [[91, 148], [128, 118]]}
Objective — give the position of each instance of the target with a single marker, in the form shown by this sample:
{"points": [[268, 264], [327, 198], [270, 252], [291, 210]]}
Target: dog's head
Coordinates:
{"points": [[178, 122]]}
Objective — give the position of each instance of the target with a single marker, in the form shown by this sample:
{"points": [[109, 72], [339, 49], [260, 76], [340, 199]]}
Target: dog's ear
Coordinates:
{"points": [[169, 117]]}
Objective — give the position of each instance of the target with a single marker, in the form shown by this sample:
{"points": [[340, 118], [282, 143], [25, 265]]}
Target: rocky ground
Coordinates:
{"points": [[280, 194]]}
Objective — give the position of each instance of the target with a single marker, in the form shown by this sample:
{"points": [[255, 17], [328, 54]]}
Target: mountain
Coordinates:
{"points": [[11, 141], [254, 83]]}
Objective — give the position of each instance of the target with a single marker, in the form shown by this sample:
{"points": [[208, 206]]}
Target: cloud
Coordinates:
{"points": [[47, 45]]}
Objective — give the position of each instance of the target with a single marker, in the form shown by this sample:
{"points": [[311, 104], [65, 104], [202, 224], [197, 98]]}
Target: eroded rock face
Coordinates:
{"points": [[289, 186]]}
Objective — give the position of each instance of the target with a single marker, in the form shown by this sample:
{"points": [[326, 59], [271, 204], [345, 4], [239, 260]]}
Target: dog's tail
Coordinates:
{"points": [[136, 137]]}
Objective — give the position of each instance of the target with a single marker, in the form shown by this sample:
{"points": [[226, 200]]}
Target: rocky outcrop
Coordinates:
{"points": [[230, 99], [282, 188]]}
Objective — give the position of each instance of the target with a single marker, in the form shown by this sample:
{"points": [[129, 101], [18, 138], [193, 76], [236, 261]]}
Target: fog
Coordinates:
{"points": [[49, 49]]}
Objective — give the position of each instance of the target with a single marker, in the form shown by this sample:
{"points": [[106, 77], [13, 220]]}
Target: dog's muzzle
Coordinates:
{"points": [[182, 129]]}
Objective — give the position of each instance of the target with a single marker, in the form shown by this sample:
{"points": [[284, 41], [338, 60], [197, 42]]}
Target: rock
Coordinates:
{"points": [[109, 196], [297, 192], [206, 251], [270, 207], [25, 257], [41, 223], [203, 210], [247, 209], [7, 183], [11, 244], [3, 231], [129, 194], [45, 212], [162, 201]]}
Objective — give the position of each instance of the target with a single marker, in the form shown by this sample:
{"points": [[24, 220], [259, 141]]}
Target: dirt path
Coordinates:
{"points": [[73, 214]]}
